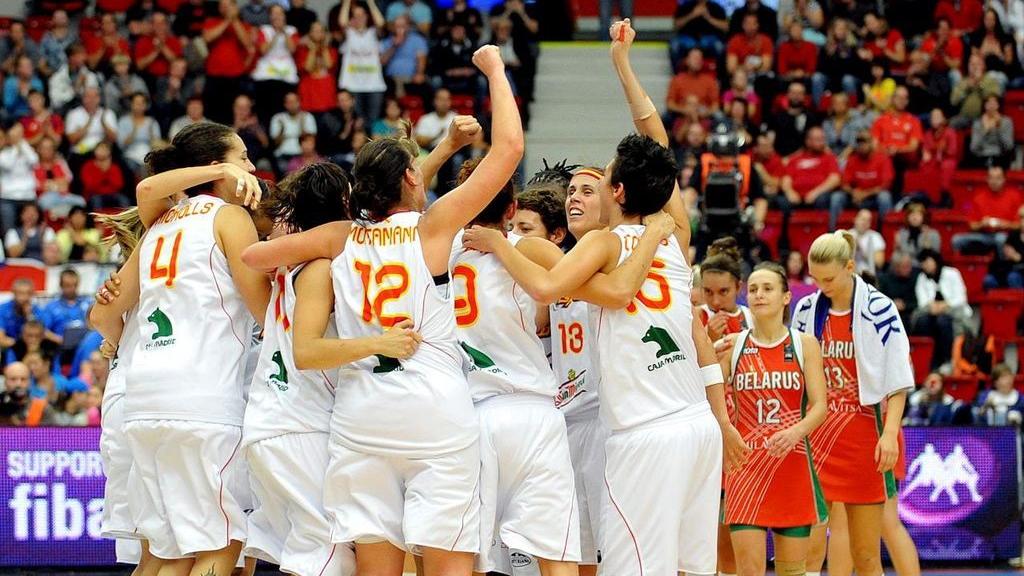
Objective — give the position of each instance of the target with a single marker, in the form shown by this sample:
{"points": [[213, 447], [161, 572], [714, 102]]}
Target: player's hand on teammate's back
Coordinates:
{"points": [[462, 131], [887, 451], [107, 349], [736, 450], [661, 224], [247, 186], [782, 442], [622, 35], [110, 290], [481, 238], [488, 59], [400, 341]]}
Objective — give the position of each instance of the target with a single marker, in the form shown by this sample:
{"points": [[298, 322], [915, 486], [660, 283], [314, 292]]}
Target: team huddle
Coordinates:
{"points": [[328, 374]]}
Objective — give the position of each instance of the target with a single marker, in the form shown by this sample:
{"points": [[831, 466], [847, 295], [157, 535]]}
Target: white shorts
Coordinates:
{"points": [[289, 526], [411, 503], [664, 481], [586, 447], [182, 486], [117, 465], [527, 487]]}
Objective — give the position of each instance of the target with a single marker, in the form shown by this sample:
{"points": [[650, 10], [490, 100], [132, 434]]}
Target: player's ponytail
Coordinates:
{"points": [[834, 247], [125, 230], [378, 172], [723, 258]]}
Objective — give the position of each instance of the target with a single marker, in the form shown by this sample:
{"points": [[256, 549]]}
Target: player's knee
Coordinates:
{"points": [[867, 560], [790, 567]]}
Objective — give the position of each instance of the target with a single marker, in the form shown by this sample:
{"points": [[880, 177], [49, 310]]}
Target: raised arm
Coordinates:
{"points": [[314, 303], [646, 118], [324, 241], [461, 132], [152, 193], [457, 208]]}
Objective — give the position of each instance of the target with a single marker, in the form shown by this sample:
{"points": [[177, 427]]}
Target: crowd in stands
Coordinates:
{"points": [[905, 129], [90, 87]]}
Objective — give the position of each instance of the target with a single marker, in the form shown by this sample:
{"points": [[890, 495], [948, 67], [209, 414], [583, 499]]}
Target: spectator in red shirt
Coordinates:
{"points": [[940, 153], [104, 46], [884, 42], [964, 15], [53, 178], [993, 212], [155, 52], [693, 81], [898, 133], [318, 70], [867, 179], [812, 174], [750, 50], [190, 17], [232, 50], [102, 180], [798, 58], [946, 49], [41, 122]]}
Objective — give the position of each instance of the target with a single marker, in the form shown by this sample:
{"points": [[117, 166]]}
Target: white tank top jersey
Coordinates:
{"points": [[193, 327], [116, 382], [252, 358], [574, 359], [284, 399], [496, 326], [418, 407], [648, 358]]}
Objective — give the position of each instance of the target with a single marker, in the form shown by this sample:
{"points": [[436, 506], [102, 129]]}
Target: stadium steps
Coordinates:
{"points": [[579, 111]]}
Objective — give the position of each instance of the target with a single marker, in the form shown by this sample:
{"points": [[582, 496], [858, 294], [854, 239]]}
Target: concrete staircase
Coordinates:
{"points": [[579, 111]]}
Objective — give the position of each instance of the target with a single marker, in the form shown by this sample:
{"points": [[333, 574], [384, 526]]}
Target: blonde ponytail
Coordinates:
{"points": [[837, 247], [125, 229]]}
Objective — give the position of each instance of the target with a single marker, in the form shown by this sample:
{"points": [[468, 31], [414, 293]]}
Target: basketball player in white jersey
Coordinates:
{"points": [[184, 402], [404, 467], [662, 417], [287, 417], [126, 231]]}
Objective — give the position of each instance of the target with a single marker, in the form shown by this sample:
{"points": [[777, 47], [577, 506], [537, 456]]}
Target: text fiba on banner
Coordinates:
{"points": [[41, 503]]}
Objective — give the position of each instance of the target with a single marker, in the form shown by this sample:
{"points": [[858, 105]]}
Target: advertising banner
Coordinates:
{"points": [[960, 497], [959, 500], [52, 498]]}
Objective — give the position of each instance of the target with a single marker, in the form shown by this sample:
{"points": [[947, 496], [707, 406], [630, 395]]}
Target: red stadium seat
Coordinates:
{"points": [[772, 231], [1018, 383], [963, 186], [18, 269], [1000, 310], [949, 223], [463, 104], [963, 388], [892, 223], [265, 175], [973, 269], [845, 221], [413, 106], [36, 27], [921, 350], [805, 226], [924, 181]]}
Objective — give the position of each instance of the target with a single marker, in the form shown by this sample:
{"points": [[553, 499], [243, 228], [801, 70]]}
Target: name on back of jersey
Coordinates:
{"points": [[184, 211], [383, 235]]}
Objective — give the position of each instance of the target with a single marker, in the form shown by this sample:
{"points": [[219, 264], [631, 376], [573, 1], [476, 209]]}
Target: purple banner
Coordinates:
{"points": [[960, 497], [52, 494]]}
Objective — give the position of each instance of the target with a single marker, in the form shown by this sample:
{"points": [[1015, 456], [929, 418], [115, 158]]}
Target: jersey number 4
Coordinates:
{"points": [[167, 271], [662, 300]]}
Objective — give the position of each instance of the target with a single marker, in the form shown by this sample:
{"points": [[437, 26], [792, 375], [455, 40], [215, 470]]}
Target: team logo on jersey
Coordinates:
{"points": [[277, 375], [788, 353], [571, 388], [163, 335], [661, 337], [668, 350], [386, 364]]}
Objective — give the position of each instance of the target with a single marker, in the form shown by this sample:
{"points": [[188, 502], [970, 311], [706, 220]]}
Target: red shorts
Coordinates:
{"points": [[843, 448]]}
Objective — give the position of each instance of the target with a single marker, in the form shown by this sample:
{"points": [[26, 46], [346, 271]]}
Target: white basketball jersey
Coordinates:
{"points": [[648, 359], [574, 359], [496, 323], [284, 399], [418, 407], [116, 382], [193, 326], [252, 358]]}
